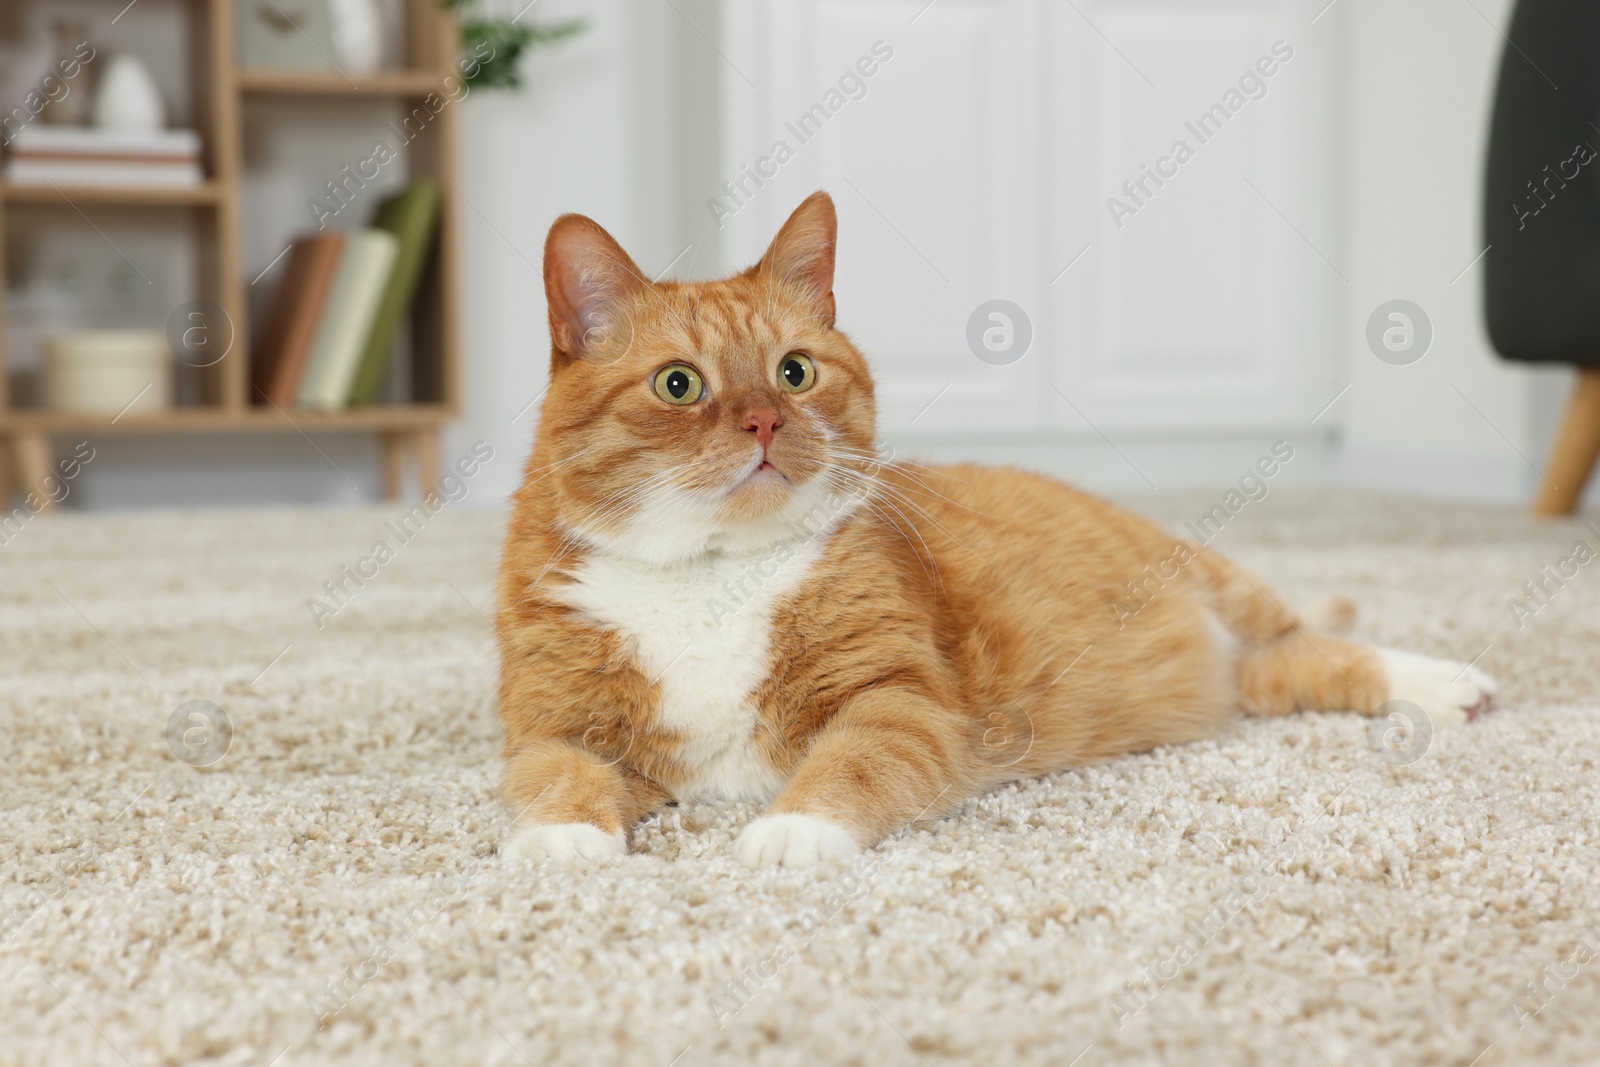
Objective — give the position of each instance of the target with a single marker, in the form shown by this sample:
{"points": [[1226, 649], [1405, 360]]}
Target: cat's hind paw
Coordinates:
{"points": [[794, 841], [1451, 693], [563, 842]]}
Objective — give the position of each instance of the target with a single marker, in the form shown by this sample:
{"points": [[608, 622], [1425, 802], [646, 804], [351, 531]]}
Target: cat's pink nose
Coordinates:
{"points": [[761, 421]]}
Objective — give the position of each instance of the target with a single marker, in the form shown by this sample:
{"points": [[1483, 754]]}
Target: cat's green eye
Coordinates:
{"points": [[679, 384], [797, 373]]}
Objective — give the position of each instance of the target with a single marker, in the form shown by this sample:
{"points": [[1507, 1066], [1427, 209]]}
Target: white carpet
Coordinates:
{"points": [[155, 913]]}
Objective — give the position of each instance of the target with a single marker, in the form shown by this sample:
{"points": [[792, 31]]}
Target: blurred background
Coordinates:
{"points": [[1194, 214]]}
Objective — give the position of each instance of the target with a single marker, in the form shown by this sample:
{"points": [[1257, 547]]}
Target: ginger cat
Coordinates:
{"points": [[713, 586]]}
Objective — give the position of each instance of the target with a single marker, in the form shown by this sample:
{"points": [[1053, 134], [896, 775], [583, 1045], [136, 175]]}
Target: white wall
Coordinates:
{"points": [[1460, 422], [594, 130]]}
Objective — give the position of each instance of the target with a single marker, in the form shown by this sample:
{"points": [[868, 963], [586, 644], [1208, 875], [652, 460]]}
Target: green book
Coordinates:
{"points": [[412, 215], [365, 267]]}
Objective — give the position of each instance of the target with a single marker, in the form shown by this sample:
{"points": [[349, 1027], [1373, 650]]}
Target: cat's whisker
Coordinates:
{"points": [[924, 555], [894, 493], [610, 505], [888, 503], [549, 469], [874, 492], [920, 484], [631, 495], [916, 482]]}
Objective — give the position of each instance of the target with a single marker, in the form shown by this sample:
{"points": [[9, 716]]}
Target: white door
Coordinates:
{"points": [[1192, 154], [977, 162]]}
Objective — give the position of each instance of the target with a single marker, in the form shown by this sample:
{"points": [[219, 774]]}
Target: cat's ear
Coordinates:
{"points": [[588, 282], [802, 253]]}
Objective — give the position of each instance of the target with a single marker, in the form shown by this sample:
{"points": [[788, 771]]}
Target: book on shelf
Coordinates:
{"points": [[329, 337], [91, 156], [412, 215], [363, 274], [105, 175], [296, 312]]}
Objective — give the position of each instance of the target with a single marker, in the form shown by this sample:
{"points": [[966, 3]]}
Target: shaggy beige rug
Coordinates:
{"points": [[329, 891]]}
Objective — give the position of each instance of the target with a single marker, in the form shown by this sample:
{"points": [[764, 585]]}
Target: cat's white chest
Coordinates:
{"points": [[703, 631]]}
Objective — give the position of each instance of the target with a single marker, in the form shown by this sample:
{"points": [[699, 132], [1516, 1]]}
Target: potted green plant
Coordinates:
{"points": [[507, 38]]}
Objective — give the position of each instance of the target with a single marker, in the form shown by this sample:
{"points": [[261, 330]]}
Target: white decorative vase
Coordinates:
{"points": [[128, 97], [357, 35]]}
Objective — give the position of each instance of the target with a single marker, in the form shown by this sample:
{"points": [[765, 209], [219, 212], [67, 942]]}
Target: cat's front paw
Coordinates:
{"points": [[1451, 693], [794, 841], [563, 842]]}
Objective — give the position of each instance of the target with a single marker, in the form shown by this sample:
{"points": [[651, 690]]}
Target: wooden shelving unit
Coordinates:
{"points": [[209, 193], [222, 90], [382, 83]]}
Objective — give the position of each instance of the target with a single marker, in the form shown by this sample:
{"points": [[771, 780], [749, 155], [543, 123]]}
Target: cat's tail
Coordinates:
{"points": [[1301, 660], [1250, 611], [1331, 615]]}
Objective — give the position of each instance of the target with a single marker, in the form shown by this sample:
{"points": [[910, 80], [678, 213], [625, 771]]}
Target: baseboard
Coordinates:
{"points": [[1488, 477], [1137, 462]]}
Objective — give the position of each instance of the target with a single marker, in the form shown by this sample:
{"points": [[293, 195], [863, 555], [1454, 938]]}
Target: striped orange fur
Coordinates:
{"points": [[865, 642]]}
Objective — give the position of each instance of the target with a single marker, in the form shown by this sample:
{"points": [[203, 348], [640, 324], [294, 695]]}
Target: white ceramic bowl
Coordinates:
{"points": [[104, 371]]}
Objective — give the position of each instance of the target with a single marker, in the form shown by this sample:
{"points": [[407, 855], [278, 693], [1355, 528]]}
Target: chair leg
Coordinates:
{"points": [[1576, 447]]}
